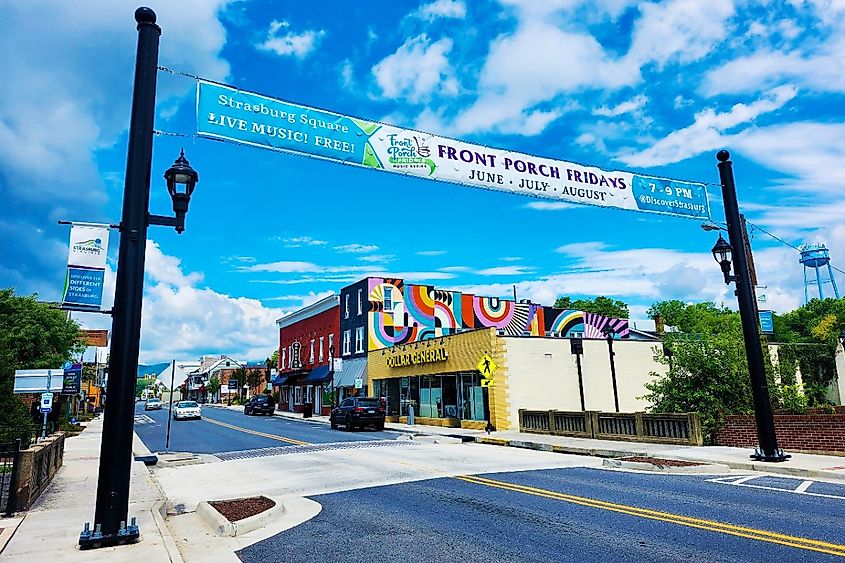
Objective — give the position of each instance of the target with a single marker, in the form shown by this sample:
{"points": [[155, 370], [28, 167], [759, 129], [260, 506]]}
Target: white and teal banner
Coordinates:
{"points": [[86, 266], [226, 113]]}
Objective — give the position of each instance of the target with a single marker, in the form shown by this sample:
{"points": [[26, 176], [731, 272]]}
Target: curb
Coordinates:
{"points": [[159, 513], [221, 526], [705, 468]]}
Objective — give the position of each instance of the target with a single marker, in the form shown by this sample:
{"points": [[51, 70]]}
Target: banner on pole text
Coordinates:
{"points": [[226, 113], [86, 266]]}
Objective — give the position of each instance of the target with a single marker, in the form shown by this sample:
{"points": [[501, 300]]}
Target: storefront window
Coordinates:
{"points": [[472, 397], [450, 396], [431, 397]]}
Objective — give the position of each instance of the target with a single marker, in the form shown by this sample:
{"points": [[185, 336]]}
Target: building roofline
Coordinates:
{"points": [[308, 311]]}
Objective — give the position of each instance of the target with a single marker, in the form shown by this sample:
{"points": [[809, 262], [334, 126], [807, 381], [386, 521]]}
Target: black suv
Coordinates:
{"points": [[358, 411], [260, 404]]}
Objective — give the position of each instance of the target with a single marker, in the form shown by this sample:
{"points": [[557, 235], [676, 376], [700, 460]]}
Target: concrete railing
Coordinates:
{"points": [[38, 464], [666, 428]]}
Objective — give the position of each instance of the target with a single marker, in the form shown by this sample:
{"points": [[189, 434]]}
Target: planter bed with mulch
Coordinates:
{"points": [[238, 509]]}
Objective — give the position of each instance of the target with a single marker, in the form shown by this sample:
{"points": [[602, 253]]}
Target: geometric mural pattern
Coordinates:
{"points": [[400, 313]]}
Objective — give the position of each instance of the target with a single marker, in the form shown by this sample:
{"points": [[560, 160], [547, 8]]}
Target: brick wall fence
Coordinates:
{"points": [[807, 432], [38, 465]]}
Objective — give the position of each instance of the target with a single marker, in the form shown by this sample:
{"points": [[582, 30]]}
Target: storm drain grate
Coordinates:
{"points": [[286, 450]]}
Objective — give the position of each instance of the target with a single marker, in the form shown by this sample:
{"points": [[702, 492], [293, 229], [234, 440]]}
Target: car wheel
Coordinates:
{"points": [[379, 426], [333, 423], [349, 425], [246, 411]]}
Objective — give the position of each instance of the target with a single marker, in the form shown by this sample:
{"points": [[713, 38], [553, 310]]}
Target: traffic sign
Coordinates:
{"points": [[486, 366], [46, 402], [487, 383]]}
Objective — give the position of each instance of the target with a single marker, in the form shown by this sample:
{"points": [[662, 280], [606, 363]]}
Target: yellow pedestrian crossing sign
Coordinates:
{"points": [[487, 382], [486, 366]]}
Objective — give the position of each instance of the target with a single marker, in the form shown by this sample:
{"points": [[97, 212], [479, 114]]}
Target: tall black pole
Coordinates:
{"points": [[580, 381], [116, 449], [766, 437], [611, 353]]}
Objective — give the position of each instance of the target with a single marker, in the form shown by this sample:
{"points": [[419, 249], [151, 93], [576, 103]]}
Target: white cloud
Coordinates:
{"points": [[291, 43], [707, 131], [383, 258], [455, 9], [679, 30], [297, 242], [181, 319], [510, 258], [505, 271], [418, 69], [632, 105], [454, 269], [549, 205], [431, 252], [297, 267], [356, 248]]}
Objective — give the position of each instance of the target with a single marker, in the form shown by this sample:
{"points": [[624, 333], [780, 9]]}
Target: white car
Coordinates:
{"points": [[186, 409]]}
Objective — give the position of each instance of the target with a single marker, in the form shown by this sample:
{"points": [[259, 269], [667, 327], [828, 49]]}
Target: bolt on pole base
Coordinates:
{"points": [[778, 456], [124, 536]]}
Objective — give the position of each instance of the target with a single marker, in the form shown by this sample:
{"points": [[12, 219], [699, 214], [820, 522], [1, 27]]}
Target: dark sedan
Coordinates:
{"points": [[358, 411], [260, 404]]}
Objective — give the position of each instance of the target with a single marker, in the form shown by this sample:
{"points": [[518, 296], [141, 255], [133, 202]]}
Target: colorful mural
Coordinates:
{"points": [[402, 313]]}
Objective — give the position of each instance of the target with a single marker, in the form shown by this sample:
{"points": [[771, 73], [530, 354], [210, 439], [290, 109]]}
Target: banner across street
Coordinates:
{"points": [[230, 114]]}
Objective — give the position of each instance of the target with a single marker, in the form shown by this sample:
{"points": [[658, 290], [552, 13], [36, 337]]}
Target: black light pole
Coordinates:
{"points": [[110, 516], [609, 332], [576, 346], [722, 252]]}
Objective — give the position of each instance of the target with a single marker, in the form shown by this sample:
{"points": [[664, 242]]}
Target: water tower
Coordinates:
{"points": [[815, 257]]}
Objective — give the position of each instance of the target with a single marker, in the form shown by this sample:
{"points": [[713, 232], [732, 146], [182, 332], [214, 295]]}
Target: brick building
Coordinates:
{"points": [[307, 341]]}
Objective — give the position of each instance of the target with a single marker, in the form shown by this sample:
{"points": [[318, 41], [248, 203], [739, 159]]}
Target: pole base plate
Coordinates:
{"points": [[89, 540], [775, 457]]}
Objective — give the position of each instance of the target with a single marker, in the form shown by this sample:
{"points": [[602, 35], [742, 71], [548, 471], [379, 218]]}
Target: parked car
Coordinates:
{"points": [[358, 411], [260, 404], [186, 409], [153, 404]]}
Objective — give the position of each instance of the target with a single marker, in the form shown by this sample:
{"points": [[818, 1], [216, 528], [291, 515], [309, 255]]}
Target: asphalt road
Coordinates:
{"points": [[213, 433], [576, 514], [563, 514]]}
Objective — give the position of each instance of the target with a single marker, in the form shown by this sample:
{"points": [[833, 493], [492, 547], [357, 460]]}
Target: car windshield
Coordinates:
{"points": [[153, 400], [187, 404], [369, 403]]}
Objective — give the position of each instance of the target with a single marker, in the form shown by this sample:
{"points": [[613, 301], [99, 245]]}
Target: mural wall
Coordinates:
{"points": [[401, 313]]}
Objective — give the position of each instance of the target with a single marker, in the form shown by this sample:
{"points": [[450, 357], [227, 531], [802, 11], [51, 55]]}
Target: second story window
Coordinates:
{"points": [[359, 339], [347, 337], [346, 306], [331, 344], [360, 305], [284, 353], [321, 347], [388, 299], [312, 351]]}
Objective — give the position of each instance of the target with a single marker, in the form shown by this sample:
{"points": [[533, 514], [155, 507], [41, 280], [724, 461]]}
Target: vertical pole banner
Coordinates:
{"points": [[86, 266]]}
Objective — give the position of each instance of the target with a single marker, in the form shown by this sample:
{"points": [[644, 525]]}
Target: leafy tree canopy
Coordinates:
{"points": [[32, 336], [696, 318], [600, 305]]}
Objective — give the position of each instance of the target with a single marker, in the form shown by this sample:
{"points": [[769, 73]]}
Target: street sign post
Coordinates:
{"points": [[46, 402]]}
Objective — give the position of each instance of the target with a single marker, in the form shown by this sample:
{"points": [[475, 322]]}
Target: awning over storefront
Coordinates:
{"points": [[290, 377], [317, 376], [280, 379], [352, 370]]}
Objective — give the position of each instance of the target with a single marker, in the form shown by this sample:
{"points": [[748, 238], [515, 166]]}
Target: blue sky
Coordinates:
{"points": [[656, 88]]}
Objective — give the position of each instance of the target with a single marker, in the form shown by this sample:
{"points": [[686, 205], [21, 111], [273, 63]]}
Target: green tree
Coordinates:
{"points": [[600, 305], [274, 359], [696, 318], [32, 335], [213, 385], [140, 385], [254, 378]]}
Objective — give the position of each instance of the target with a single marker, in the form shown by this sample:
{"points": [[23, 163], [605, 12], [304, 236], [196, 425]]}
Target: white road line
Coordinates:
{"points": [[802, 488]]}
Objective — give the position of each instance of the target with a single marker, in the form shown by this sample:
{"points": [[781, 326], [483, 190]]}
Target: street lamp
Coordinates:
{"points": [[723, 252], [609, 333], [111, 525]]}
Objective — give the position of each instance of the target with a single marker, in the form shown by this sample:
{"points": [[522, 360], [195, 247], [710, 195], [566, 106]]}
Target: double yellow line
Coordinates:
{"points": [[699, 523], [256, 432], [710, 525]]}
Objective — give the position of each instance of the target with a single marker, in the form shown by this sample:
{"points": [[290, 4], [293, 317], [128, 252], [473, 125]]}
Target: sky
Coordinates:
{"points": [[653, 88]]}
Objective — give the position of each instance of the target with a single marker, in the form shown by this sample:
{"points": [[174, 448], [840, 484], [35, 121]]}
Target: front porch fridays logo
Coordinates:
{"points": [[409, 152]]}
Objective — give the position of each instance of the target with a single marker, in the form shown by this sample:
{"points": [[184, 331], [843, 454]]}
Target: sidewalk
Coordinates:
{"points": [[800, 465], [50, 530]]}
